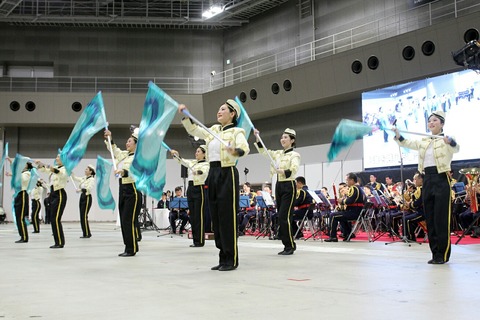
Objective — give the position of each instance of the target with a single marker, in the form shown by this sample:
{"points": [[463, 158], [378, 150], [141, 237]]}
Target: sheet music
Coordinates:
{"points": [[314, 196], [267, 198]]}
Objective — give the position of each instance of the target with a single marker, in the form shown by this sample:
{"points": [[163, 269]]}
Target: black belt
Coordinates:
{"points": [[190, 183], [431, 170]]}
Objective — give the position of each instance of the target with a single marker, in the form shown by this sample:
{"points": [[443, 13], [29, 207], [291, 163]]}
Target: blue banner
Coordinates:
{"points": [[33, 180], [244, 121], [18, 165], [104, 194], [90, 122], [149, 164]]}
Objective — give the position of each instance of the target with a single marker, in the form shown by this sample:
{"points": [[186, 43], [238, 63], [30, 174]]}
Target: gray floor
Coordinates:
{"points": [[169, 280]]}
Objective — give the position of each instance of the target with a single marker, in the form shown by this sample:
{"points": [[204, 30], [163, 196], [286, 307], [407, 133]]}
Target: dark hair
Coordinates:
{"points": [[301, 180], [247, 184], [29, 166], [178, 189], [92, 171], [294, 143], [352, 176]]}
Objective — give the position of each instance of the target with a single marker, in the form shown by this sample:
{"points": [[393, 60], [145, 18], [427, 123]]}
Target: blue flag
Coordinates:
{"points": [[90, 122], [345, 134], [149, 164], [17, 167], [33, 180], [4, 157], [104, 194], [244, 121]]}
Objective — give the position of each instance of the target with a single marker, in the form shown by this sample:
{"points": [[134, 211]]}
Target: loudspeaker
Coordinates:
{"points": [[357, 67], [243, 96], [30, 106], [76, 106], [275, 88], [287, 85], [408, 53], [373, 62], [14, 106], [470, 34], [428, 48], [253, 94], [183, 172]]}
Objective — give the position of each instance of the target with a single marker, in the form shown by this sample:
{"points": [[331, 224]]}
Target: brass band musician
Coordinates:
{"points": [[415, 208]]}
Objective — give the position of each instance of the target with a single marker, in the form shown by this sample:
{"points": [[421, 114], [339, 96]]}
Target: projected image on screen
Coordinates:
{"points": [[409, 105]]}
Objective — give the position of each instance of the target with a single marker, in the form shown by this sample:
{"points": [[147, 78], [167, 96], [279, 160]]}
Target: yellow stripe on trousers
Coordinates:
{"points": [[22, 217], [202, 232], [134, 233], [85, 215], [56, 217], [234, 206], [288, 215]]}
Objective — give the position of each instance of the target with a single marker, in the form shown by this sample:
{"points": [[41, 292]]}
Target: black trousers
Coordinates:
{"points": [[196, 205], [437, 206], [85, 205], [36, 206], [58, 200], [344, 218], [21, 211], [223, 196], [129, 204], [285, 194], [48, 209]]}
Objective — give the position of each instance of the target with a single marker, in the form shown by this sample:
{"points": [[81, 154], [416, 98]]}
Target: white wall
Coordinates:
{"points": [[314, 168]]}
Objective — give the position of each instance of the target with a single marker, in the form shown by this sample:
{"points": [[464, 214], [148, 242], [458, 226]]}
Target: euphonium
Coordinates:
{"points": [[472, 175]]}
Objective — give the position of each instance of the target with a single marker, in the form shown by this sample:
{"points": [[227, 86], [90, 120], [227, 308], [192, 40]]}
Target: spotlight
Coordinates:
{"points": [[213, 73], [275, 88], [468, 56], [357, 67]]}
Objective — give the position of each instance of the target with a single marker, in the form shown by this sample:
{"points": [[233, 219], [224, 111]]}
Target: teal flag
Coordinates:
{"points": [[4, 157], [90, 122], [104, 194], [149, 163], [18, 165], [33, 180], [244, 121], [346, 133]]}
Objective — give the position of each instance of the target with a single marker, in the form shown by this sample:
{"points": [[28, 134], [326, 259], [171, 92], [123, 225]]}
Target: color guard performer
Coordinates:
{"points": [[197, 174], [130, 199], [86, 185], [36, 206], [288, 162], [21, 204], [434, 159], [58, 198], [222, 181]]}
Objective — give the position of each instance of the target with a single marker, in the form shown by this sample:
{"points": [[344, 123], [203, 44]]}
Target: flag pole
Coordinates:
{"points": [[176, 157], [188, 114]]}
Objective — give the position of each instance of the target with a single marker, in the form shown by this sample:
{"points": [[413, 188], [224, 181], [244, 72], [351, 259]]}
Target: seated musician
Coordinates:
{"points": [[373, 184], [178, 213], [164, 203], [353, 203], [267, 217], [302, 203], [467, 217], [414, 209], [245, 215]]}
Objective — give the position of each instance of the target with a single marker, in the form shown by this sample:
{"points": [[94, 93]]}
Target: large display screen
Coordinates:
{"points": [[409, 105]]}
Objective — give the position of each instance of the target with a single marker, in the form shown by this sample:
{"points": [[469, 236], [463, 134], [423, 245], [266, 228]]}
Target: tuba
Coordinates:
{"points": [[472, 175]]}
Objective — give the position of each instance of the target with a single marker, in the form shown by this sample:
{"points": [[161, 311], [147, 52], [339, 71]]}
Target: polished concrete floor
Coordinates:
{"points": [[169, 280]]}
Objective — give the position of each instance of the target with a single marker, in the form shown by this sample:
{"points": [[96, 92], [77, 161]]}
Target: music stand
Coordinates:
{"points": [[321, 200], [266, 230], [244, 202], [176, 203]]}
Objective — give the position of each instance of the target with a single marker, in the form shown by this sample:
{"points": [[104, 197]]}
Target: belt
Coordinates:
{"points": [[355, 205], [190, 183], [304, 206], [431, 170]]}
